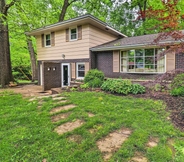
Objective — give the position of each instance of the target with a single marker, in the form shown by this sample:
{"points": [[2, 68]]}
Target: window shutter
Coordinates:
{"points": [[79, 32], [170, 61], [86, 67], [52, 38], [116, 61], [67, 35], [42, 40], [73, 70]]}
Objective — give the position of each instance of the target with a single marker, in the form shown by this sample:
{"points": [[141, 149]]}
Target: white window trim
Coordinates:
{"points": [[75, 27], [45, 40], [77, 70], [142, 72]]}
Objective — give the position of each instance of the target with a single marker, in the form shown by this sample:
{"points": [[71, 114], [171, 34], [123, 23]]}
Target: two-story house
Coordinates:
{"points": [[67, 50]]}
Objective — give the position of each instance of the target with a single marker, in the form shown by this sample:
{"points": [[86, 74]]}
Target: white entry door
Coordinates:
{"points": [[65, 76]]}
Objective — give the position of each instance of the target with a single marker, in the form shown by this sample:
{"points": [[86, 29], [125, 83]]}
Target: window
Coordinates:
{"points": [[142, 61], [47, 40], [73, 33], [80, 70]]}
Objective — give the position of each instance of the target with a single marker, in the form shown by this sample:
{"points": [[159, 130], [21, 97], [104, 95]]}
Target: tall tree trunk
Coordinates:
{"points": [[32, 54], [5, 62]]}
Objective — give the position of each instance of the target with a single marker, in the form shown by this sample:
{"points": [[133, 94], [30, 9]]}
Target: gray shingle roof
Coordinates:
{"points": [[132, 42]]}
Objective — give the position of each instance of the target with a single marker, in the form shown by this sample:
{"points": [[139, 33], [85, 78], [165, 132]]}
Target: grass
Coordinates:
{"points": [[27, 134]]}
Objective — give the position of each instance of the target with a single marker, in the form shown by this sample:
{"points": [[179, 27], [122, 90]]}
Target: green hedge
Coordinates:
{"points": [[122, 87]]}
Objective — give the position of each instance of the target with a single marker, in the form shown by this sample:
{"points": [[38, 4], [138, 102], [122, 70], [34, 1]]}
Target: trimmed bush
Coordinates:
{"points": [[94, 78], [122, 86]]}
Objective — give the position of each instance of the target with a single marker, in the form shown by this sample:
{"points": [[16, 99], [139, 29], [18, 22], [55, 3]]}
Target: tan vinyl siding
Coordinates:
{"points": [[73, 70], [98, 36], [72, 49], [170, 61], [86, 67], [116, 61]]}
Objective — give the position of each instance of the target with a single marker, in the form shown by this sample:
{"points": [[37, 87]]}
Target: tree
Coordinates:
{"points": [[5, 63], [169, 22]]}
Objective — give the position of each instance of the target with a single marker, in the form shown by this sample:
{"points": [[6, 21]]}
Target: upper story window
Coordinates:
{"points": [[73, 34], [47, 40], [143, 61]]}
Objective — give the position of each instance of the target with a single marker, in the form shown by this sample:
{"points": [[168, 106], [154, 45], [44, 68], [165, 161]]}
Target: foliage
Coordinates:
{"points": [[122, 86], [84, 86], [137, 88], [94, 78], [162, 82], [178, 91], [178, 81], [27, 133]]}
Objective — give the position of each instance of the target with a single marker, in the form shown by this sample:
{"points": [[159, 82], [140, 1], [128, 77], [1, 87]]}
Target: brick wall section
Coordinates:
{"points": [[51, 78], [104, 62], [180, 61]]}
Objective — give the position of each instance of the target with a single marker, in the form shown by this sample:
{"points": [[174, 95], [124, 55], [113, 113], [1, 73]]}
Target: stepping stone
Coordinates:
{"points": [[113, 142], [55, 95], [153, 142], [90, 115], [58, 117], [75, 138], [139, 158], [62, 101], [58, 109], [58, 98], [67, 127]]}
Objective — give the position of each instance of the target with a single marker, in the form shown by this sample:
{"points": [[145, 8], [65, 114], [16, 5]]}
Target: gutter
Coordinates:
{"points": [[52, 26], [127, 47]]}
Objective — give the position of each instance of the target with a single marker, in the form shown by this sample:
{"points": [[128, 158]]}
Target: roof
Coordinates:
{"points": [[132, 42], [84, 19]]}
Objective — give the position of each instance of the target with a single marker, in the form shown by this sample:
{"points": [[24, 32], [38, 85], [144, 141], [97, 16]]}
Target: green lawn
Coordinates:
{"points": [[26, 132]]}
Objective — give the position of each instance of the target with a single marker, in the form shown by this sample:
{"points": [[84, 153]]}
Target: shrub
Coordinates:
{"points": [[84, 86], [94, 78], [178, 91], [178, 81], [122, 86], [137, 88]]}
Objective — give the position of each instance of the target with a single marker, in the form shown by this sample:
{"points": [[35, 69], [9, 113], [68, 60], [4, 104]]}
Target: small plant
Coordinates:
{"points": [[94, 78], [84, 86], [178, 91], [137, 88]]}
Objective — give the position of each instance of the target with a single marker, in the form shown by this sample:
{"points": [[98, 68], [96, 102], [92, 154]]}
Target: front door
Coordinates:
{"points": [[65, 75]]}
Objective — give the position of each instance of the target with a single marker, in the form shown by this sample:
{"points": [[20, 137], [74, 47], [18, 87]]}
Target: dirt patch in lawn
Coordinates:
{"points": [[153, 142], [139, 157], [67, 127], [113, 142], [59, 117], [75, 138], [58, 109], [90, 115]]}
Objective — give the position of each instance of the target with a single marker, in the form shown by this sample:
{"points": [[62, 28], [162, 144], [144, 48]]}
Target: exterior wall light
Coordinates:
{"points": [[54, 68], [48, 68], [63, 56]]}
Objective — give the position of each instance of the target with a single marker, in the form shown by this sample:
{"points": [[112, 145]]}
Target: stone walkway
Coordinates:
{"points": [[107, 145]]}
